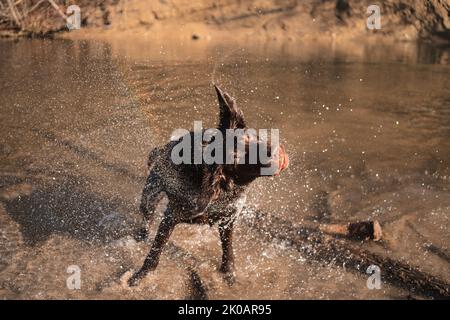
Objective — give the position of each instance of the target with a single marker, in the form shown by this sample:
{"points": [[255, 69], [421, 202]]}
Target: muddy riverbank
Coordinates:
{"points": [[401, 20]]}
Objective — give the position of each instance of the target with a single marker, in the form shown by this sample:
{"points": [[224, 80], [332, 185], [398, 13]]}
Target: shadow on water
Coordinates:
{"points": [[71, 209]]}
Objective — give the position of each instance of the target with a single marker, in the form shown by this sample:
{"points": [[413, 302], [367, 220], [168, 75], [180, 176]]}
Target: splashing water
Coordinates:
{"points": [[77, 128]]}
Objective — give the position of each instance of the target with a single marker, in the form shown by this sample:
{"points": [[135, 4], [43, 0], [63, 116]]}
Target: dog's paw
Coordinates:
{"points": [[228, 275], [230, 278], [135, 278]]}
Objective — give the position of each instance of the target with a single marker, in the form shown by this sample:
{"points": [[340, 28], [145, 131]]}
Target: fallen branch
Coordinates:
{"points": [[15, 14], [356, 230], [61, 13], [315, 245], [18, 12], [34, 7]]}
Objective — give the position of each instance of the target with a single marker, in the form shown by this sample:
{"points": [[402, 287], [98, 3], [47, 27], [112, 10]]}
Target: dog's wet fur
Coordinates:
{"points": [[202, 193]]}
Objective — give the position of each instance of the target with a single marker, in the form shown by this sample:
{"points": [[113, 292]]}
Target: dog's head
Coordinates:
{"points": [[250, 156]]}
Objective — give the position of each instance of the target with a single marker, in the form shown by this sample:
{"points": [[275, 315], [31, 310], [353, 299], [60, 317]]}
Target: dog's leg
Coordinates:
{"points": [[151, 195], [151, 261], [226, 237]]}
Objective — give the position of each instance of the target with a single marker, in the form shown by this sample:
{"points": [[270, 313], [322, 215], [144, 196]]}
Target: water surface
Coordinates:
{"points": [[367, 128]]}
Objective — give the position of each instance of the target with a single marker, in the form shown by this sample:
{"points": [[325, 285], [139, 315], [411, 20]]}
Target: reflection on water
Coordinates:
{"points": [[367, 127]]}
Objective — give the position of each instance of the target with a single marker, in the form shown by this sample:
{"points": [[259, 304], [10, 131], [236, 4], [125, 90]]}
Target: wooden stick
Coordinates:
{"points": [[355, 230], [14, 13], [34, 7], [315, 245], [61, 13]]}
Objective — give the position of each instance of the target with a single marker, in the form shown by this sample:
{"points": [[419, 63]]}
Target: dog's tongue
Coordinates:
{"points": [[283, 160]]}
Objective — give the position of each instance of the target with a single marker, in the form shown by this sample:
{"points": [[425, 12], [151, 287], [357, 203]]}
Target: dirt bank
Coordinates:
{"points": [[269, 19]]}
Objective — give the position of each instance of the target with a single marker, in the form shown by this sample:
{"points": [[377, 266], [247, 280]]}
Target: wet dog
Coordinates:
{"points": [[206, 193]]}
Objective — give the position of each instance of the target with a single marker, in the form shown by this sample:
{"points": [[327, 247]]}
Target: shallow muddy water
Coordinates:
{"points": [[367, 129]]}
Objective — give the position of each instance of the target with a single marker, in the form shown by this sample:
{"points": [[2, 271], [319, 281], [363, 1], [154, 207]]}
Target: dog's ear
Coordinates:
{"points": [[230, 116]]}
